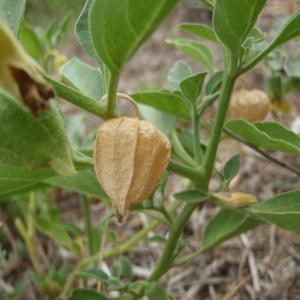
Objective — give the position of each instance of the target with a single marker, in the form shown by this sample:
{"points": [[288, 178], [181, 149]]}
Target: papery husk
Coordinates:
{"points": [[251, 105], [20, 75], [130, 156]]}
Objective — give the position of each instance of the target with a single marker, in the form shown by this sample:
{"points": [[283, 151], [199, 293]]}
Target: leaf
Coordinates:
{"points": [[85, 78], [84, 182], [201, 30], [289, 30], [268, 135], [165, 101], [191, 87], [214, 83], [164, 121], [177, 73], [86, 294], [97, 274], [155, 291], [283, 210], [191, 196], [31, 42], [129, 22], [12, 12], [83, 32], [55, 232], [234, 19], [32, 142], [226, 224], [83, 35], [15, 180], [232, 167], [198, 51]]}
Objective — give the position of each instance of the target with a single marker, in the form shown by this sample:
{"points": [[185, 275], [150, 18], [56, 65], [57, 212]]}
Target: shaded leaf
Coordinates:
{"points": [[164, 101], [86, 294], [232, 167], [32, 142], [226, 224], [177, 73], [85, 78]]}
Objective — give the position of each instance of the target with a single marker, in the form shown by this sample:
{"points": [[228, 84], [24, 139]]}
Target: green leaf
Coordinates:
{"points": [[292, 65], [84, 182], [201, 30], [165, 101], [83, 32], [198, 51], [12, 12], [86, 294], [268, 135], [177, 73], [83, 35], [126, 267], [164, 121], [55, 231], [155, 291], [191, 87], [282, 210], [289, 30], [32, 142], [129, 22], [97, 274], [15, 180], [85, 78], [226, 224], [234, 19], [214, 83], [232, 167], [31, 42], [191, 196]]}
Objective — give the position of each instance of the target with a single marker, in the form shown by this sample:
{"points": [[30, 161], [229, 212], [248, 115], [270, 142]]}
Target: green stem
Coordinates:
{"points": [[123, 248], [88, 223], [112, 95], [167, 256], [196, 136], [211, 152], [187, 172], [75, 97]]}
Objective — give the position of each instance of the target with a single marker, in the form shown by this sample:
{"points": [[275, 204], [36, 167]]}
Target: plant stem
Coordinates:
{"points": [[211, 152], [196, 137], [190, 173], [123, 248], [167, 256], [88, 223], [112, 95], [75, 97]]}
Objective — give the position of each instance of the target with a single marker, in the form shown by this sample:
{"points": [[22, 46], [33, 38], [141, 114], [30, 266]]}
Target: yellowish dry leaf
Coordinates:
{"points": [[130, 156], [236, 199], [20, 75], [251, 105]]}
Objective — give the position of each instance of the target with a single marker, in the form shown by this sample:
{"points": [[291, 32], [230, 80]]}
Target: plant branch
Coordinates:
{"points": [[75, 97], [196, 136]]}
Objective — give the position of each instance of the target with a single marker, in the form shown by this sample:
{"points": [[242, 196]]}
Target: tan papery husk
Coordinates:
{"points": [[130, 156]]}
